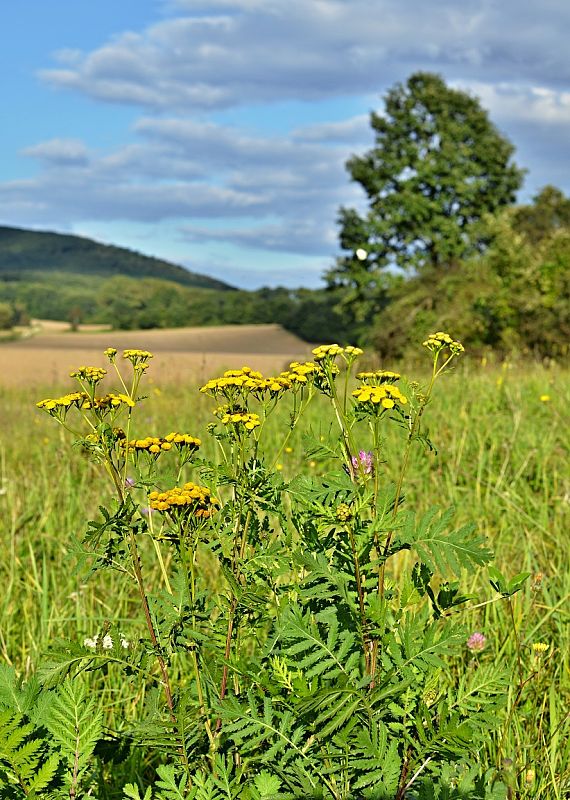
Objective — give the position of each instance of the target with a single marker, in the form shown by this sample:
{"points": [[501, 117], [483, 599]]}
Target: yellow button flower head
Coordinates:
{"points": [[440, 340], [379, 397], [234, 383], [59, 406], [545, 398], [540, 648], [343, 512], [137, 357], [113, 400], [182, 441], [272, 386], [111, 353], [155, 445], [91, 375], [238, 418], [190, 500], [378, 377], [329, 351], [350, 350], [304, 367]]}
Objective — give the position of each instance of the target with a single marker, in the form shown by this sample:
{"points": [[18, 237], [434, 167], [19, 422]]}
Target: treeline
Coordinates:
{"points": [[512, 296], [130, 303]]}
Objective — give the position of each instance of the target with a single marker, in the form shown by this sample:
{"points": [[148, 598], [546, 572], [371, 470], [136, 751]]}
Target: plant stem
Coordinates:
{"points": [[405, 460], [232, 612], [517, 641], [150, 626], [188, 558]]}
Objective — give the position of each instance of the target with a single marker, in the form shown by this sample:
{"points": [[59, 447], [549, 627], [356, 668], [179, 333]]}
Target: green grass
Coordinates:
{"points": [[502, 461]]}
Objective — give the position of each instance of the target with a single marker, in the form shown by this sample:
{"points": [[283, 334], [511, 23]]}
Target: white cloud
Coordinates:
{"points": [[306, 237], [354, 129], [222, 54], [285, 192], [59, 152], [539, 105], [281, 192]]}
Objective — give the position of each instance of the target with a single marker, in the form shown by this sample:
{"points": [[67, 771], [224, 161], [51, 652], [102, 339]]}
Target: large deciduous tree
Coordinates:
{"points": [[438, 165]]}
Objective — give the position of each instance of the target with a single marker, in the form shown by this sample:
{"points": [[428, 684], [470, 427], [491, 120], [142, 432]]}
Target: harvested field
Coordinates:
{"points": [[186, 354]]}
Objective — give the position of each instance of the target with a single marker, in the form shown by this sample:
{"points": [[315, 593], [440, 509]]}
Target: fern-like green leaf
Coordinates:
{"points": [[132, 792], [377, 761], [170, 786], [319, 647], [259, 729], [438, 548], [76, 724], [25, 756]]}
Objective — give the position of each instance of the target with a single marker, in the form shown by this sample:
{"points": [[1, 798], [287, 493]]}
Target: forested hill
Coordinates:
{"points": [[25, 251]]}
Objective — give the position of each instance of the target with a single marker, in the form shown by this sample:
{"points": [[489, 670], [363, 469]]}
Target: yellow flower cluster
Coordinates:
{"points": [[136, 357], [245, 380], [343, 512], [385, 395], [110, 400], [273, 385], [83, 401], [110, 352], [160, 444], [301, 373], [234, 417], [181, 440], [150, 444], [332, 350], [56, 403], [240, 379], [438, 341], [236, 384], [539, 648], [327, 351], [182, 500], [90, 374], [378, 377]]}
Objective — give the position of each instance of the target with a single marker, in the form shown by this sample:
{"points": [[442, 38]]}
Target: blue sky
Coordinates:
{"points": [[214, 133]]}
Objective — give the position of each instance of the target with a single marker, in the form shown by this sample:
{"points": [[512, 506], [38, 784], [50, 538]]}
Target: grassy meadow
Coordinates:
{"points": [[501, 434]]}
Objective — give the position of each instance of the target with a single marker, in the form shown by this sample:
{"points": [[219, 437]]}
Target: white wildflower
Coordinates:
{"points": [[91, 643], [107, 642]]}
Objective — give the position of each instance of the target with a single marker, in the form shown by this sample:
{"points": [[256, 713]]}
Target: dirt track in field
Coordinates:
{"points": [[184, 355]]}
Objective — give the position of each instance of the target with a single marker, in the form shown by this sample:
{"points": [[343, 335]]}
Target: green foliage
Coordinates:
{"points": [[74, 722], [128, 302], [307, 638], [437, 167], [515, 297], [27, 768], [447, 553]]}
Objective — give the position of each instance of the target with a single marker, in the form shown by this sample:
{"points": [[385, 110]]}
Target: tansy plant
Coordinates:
{"points": [[282, 658]]}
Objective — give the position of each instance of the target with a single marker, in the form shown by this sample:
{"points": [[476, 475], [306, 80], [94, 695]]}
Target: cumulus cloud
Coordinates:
{"points": [[306, 237], [284, 192], [522, 103], [59, 152], [223, 54], [352, 130]]}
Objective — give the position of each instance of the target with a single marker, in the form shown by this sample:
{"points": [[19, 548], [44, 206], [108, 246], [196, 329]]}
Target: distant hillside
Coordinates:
{"points": [[25, 251]]}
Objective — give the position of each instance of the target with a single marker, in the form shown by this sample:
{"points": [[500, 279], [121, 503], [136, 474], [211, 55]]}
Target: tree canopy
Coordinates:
{"points": [[437, 167]]}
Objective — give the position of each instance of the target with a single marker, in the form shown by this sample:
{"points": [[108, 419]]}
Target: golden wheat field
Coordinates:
{"points": [[183, 354]]}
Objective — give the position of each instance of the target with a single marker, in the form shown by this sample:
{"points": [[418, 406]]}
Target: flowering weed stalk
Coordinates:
{"points": [[305, 655]]}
